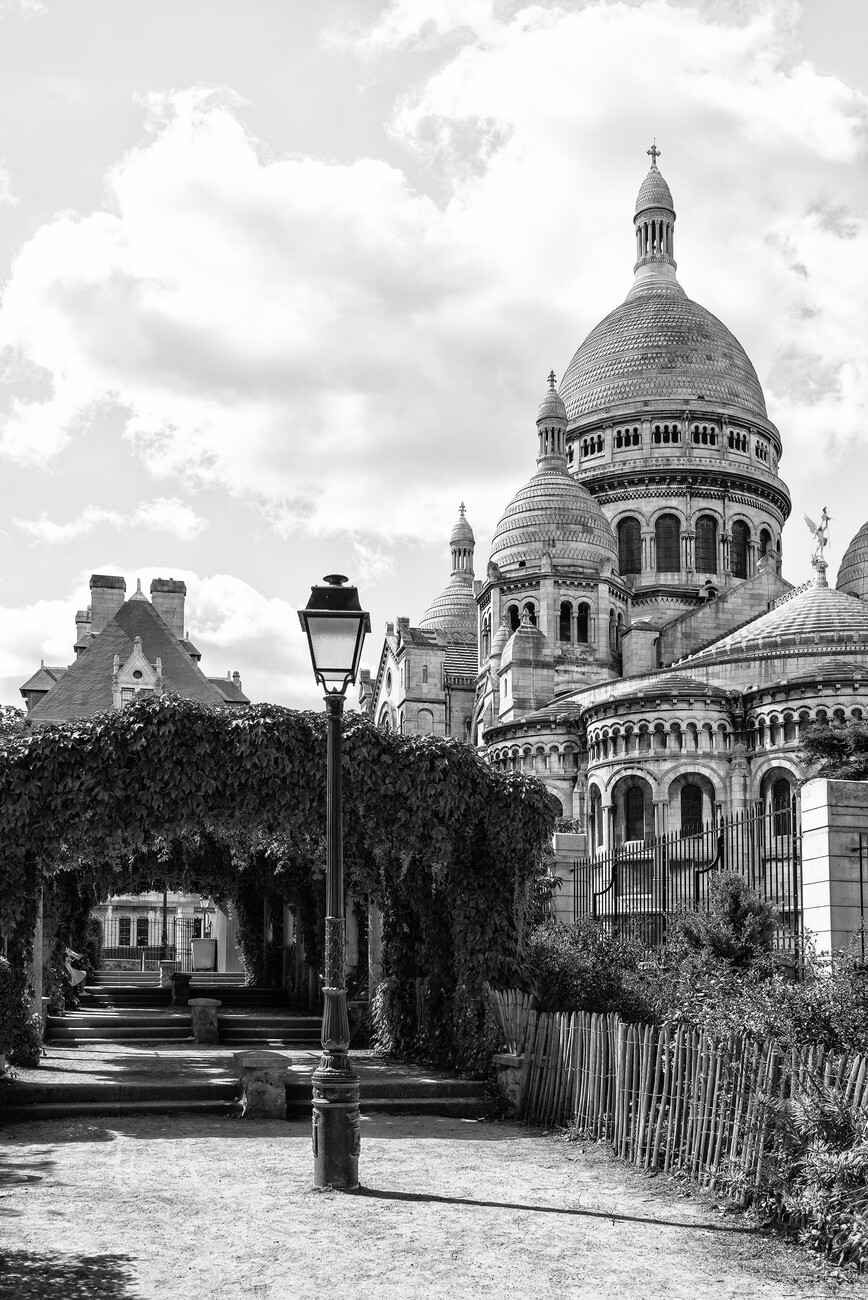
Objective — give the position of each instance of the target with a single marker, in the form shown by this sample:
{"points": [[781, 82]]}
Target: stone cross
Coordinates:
{"points": [[654, 153]]}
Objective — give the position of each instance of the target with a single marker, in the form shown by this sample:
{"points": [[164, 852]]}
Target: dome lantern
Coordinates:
{"points": [[551, 423], [454, 610], [654, 223]]}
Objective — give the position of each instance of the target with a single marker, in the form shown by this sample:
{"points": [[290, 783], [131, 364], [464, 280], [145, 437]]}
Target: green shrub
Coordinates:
{"points": [[20, 1025], [583, 967], [738, 928]]}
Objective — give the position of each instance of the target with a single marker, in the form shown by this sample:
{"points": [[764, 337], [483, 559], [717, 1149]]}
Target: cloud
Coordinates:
{"points": [[162, 515], [9, 197], [354, 352]]}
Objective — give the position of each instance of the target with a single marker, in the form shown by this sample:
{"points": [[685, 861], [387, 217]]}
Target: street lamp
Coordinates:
{"points": [[335, 626]]}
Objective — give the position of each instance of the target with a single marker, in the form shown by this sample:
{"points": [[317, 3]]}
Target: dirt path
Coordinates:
{"points": [[151, 1208]]}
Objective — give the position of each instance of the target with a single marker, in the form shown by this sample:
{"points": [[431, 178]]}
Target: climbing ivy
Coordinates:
{"points": [[233, 804]]}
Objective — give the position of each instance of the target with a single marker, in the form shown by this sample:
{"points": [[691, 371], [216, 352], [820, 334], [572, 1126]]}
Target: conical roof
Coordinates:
{"points": [[853, 573], [654, 193], [462, 533]]}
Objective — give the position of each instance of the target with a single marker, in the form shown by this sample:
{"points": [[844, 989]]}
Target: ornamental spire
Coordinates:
{"points": [[654, 223]]}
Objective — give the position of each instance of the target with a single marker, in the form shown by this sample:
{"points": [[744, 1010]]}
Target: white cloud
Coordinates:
{"points": [[9, 197], [162, 515], [351, 354]]}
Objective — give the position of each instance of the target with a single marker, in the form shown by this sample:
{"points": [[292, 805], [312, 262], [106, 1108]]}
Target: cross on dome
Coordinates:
{"points": [[654, 153], [551, 378]]}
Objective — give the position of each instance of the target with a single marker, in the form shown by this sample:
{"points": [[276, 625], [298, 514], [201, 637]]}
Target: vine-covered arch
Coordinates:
{"points": [[445, 845]]}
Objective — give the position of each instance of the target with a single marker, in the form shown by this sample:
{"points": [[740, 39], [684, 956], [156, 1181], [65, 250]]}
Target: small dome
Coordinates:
{"points": [[462, 533], [654, 193], [554, 514], [500, 639], [454, 610], [552, 405], [527, 645], [853, 573]]}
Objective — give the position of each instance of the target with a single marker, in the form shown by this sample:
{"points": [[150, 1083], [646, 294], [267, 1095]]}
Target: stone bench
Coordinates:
{"points": [[203, 1017], [264, 1076]]}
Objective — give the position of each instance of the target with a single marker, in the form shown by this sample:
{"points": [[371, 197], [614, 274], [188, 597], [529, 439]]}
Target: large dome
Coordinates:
{"points": [[661, 346], [554, 514], [853, 573]]}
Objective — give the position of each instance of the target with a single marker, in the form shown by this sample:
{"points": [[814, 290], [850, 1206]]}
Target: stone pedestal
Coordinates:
{"points": [[203, 1018], [264, 1076], [167, 970], [510, 1070], [180, 981]]}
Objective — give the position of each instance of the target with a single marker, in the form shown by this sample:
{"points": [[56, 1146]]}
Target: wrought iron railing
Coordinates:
{"points": [[637, 886], [141, 939]]}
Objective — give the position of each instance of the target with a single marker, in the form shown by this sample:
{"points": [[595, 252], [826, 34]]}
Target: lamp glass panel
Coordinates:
{"points": [[333, 643]]}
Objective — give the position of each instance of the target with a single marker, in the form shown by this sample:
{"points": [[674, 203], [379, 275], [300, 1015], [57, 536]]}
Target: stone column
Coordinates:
{"points": [[649, 559], [834, 821]]}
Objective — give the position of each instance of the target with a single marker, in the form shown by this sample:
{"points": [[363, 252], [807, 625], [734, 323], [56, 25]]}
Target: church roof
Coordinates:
{"points": [[86, 686], [812, 614], [853, 573], [454, 609], [554, 514], [654, 192], [660, 345]]}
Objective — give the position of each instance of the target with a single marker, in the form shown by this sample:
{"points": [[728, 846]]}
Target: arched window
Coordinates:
{"points": [[634, 813], [765, 543], [629, 546], [781, 806], [595, 818], [565, 621], [738, 551], [531, 613], [424, 674], [582, 620], [668, 534], [514, 619], [424, 722], [691, 810], [706, 544], [613, 632]]}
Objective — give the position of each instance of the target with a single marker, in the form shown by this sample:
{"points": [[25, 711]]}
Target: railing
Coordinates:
{"points": [[140, 939], [636, 887]]}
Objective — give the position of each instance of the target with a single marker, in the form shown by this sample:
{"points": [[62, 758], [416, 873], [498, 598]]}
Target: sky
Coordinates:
{"points": [[280, 283]]}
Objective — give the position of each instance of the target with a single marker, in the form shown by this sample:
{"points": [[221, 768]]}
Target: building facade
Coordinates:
{"points": [[638, 648]]}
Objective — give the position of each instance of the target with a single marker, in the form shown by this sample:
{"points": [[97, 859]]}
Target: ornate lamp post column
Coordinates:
{"points": [[335, 625]]}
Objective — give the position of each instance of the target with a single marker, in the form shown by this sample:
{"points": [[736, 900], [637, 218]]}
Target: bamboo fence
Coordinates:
{"points": [[666, 1097]]}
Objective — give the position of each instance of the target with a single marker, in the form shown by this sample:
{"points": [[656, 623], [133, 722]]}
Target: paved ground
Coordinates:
{"points": [[148, 1208]]}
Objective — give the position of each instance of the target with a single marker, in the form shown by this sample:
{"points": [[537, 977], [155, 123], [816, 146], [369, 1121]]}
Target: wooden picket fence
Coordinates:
{"points": [[665, 1097]]}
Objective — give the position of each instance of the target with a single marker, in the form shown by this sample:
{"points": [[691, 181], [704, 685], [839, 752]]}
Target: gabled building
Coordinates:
{"points": [[124, 647]]}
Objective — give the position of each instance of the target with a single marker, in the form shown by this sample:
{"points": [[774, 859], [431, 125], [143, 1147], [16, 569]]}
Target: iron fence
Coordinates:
{"points": [[141, 939], [637, 887]]}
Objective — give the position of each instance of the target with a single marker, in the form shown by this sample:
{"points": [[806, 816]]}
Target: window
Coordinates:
{"points": [[531, 613], [425, 722], [141, 932], [582, 620], [706, 544], [513, 617], [629, 546], [739, 550], [765, 543], [781, 806], [424, 674], [388, 683], [668, 535], [634, 814], [691, 810], [124, 932], [665, 433], [565, 622]]}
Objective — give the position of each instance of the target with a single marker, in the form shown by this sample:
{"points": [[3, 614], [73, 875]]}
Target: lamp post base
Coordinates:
{"points": [[336, 1129]]}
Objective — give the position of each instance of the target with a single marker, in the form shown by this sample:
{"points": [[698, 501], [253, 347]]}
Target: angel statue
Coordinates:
{"points": [[820, 533]]}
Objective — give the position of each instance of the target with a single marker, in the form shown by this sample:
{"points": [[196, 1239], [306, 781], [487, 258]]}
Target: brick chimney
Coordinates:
{"points": [[167, 598], [107, 594]]}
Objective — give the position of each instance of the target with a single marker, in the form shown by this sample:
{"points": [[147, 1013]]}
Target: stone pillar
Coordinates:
{"points": [[834, 819], [166, 970], [648, 557], [203, 1017], [739, 780], [375, 948], [264, 1076]]}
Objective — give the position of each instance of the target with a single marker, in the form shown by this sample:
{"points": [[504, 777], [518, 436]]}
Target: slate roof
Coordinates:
{"points": [[86, 686], [231, 691], [462, 660], [43, 679]]}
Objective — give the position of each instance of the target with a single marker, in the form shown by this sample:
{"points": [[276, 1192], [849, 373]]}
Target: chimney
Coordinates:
{"points": [[106, 598], [236, 677], [167, 598]]}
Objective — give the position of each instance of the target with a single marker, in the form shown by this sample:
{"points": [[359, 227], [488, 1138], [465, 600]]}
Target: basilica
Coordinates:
{"points": [[633, 642]]}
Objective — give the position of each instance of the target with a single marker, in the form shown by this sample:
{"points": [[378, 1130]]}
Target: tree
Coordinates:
{"points": [[839, 752]]}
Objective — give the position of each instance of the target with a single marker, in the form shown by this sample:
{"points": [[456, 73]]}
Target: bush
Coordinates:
{"points": [[20, 1025], [738, 929], [582, 967]]}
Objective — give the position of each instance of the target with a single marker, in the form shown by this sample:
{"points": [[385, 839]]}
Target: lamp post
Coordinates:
{"points": [[335, 626]]}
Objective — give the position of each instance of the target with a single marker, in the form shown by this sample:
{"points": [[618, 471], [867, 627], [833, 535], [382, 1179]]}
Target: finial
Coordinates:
{"points": [[461, 510], [138, 586], [552, 380], [654, 153]]}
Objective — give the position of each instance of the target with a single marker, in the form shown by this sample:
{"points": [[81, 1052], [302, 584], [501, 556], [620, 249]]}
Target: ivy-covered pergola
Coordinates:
{"points": [[167, 792]]}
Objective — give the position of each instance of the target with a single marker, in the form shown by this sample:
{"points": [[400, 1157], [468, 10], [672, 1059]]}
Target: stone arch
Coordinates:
{"points": [[690, 814], [633, 808]]}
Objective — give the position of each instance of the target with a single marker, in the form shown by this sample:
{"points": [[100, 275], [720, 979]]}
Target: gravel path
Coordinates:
{"points": [[150, 1208]]}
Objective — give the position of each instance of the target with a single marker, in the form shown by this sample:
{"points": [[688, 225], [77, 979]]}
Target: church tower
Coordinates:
{"points": [[667, 429]]}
